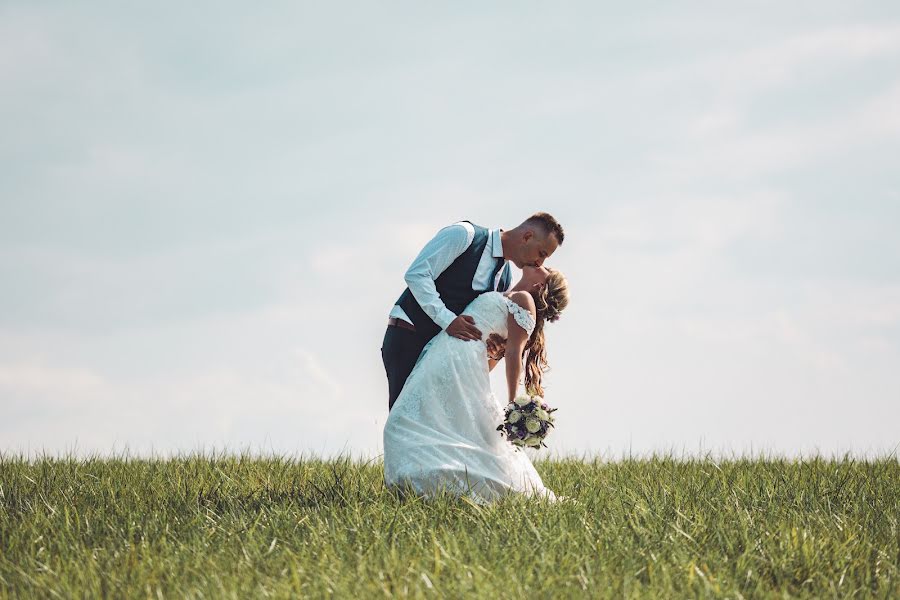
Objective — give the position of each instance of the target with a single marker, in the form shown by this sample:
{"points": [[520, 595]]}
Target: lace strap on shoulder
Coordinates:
{"points": [[521, 315]]}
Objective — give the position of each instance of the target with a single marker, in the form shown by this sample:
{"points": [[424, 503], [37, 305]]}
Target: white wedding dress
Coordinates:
{"points": [[441, 433]]}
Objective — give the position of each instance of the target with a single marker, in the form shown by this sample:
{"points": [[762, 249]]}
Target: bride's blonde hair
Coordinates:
{"points": [[550, 302]]}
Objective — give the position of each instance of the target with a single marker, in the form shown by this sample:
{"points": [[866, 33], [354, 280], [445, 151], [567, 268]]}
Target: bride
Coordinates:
{"points": [[441, 433]]}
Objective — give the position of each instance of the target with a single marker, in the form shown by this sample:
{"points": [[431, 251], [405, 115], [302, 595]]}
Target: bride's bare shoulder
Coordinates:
{"points": [[524, 300]]}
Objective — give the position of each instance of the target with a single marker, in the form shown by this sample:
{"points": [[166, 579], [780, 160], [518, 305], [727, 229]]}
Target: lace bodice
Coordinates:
{"points": [[490, 312]]}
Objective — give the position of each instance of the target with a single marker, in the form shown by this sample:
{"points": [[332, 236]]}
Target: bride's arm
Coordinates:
{"points": [[515, 343]]}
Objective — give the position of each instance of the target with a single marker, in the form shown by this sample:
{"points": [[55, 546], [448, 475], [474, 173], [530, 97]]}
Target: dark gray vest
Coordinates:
{"points": [[455, 285]]}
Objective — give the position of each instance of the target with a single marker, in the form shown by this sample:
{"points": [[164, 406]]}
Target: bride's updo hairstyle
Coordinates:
{"points": [[549, 302]]}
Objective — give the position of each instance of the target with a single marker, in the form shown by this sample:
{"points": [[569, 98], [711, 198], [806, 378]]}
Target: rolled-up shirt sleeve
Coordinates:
{"points": [[435, 257]]}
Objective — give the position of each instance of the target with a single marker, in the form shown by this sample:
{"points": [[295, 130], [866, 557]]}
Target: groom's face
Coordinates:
{"points": [[537, 247]]}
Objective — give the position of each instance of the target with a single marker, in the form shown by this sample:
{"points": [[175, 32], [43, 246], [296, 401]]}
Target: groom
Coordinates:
{"points": [[459, 264]]}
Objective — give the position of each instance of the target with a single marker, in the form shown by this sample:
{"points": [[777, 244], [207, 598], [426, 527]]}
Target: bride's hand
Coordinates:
{"points": [[496, 346]]}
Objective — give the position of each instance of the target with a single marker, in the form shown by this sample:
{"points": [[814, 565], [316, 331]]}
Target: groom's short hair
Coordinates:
{"points": [[546, 222]]}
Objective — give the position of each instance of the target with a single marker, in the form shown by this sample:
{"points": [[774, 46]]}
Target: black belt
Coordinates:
{"points": [[393, 322]]}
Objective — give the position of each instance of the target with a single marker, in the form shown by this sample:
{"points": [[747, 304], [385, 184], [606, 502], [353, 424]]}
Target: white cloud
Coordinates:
{"points": [[739, 74], [55, 408]]}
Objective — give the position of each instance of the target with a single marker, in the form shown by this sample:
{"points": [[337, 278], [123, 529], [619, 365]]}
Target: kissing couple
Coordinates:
{"points": [[457, 318]]}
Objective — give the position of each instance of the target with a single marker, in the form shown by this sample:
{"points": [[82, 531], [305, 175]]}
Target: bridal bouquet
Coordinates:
{"points": [[527, 421]]}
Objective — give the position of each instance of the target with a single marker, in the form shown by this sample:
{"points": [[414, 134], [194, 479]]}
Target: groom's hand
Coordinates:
{"points": [[463, 327]]}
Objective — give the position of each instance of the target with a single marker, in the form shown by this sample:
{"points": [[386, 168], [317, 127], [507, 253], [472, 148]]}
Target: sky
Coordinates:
{"points": [[206, 211]]}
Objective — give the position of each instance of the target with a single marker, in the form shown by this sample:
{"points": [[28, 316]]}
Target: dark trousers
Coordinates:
{"points": [[400, 350]]}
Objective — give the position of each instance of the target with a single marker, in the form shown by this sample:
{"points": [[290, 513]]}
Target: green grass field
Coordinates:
{"points": [[240, 527]]}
